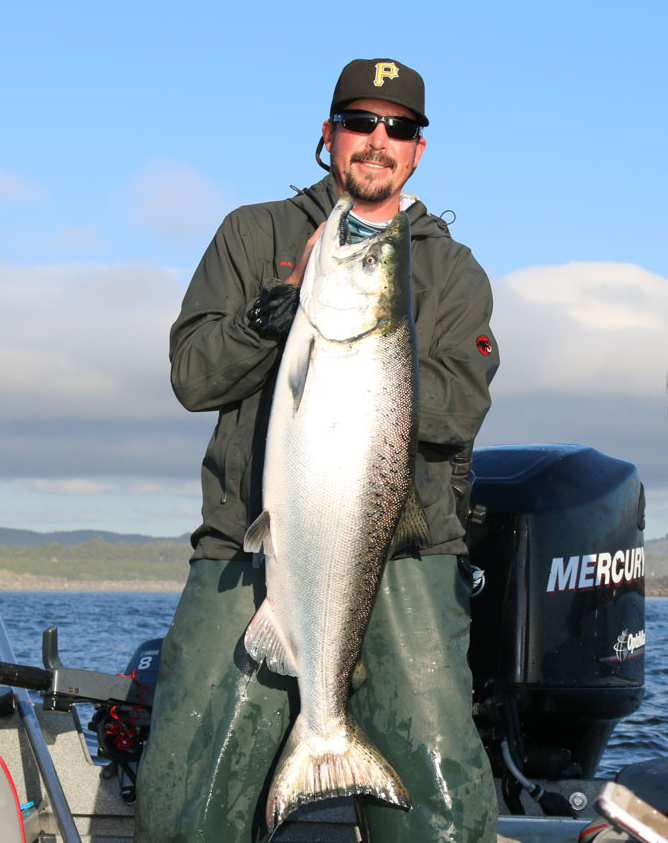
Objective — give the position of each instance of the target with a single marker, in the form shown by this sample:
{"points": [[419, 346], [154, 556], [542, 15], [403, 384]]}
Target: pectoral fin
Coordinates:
{"points": [[299, 371], [258, 535]]}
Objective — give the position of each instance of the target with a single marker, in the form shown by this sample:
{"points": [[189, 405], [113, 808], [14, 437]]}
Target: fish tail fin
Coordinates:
{"points": [[346, 765]]}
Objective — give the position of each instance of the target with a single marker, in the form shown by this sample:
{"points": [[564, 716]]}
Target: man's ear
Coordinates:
{"points": [[328, 134], [419, 149]]}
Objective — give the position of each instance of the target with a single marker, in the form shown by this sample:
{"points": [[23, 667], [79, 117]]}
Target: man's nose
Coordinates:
{"points": [[378, 138]]}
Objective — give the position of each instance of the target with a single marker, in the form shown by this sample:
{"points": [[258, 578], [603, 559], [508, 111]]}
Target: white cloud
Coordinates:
{"points": [[16, 188], [72, 239], [105, 503], [582, 328], [87, 341], [657, 513], [584, 360], [84, 379], [68, 486], [165, 487], [85, 486], [174, 202]]}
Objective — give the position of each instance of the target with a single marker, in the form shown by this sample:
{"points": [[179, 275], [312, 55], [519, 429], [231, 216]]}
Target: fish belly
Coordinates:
{"points": [[337, 474]]}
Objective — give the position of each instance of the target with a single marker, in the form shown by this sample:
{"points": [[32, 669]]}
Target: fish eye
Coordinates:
{"points": [[371, 259]]}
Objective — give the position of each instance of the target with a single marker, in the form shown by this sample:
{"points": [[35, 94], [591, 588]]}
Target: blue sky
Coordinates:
{"points": [[130, 129]]}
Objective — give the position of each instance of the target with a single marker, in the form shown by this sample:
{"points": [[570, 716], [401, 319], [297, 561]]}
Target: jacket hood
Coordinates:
{"points": [[317, 202]]}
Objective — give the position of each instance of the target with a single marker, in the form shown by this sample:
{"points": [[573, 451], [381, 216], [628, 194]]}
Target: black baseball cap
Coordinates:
{"points": [[380, 79]]}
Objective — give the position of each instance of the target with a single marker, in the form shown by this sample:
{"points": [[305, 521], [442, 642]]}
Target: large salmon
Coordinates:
{"points": [[338, 494]]}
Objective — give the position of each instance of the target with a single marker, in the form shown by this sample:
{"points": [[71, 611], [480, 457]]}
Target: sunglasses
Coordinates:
{"points": [[364, 122]]}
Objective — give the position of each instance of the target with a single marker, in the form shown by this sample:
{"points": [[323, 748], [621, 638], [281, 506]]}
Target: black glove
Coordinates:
{"points": [[273, 312]]}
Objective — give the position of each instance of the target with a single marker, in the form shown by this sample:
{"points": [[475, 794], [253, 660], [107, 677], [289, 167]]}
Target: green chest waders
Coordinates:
{"points": [[219, 723]]}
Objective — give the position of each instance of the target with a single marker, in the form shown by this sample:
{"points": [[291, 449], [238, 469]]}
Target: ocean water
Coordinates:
{"points": [[100, 631], [644, 735], [96, 630]]}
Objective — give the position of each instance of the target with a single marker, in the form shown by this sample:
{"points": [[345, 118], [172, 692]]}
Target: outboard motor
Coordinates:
{"points": [[558, 633], [122, 731]]}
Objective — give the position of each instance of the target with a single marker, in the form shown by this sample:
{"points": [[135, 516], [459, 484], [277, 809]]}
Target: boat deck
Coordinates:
{"points": [[101, 815]]}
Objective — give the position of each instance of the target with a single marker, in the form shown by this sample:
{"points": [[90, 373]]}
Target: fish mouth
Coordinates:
{"points": [[348, 287], [349, 252], [334, 239]]}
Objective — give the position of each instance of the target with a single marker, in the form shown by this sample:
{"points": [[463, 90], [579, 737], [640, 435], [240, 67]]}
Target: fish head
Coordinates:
{"points": [[350, 290]]}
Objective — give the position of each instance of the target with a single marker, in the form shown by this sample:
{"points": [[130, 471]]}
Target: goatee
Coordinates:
{"points": [[363, 190]]}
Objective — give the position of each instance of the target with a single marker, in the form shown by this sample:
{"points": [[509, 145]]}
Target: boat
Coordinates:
{"points": [[557, 658]]}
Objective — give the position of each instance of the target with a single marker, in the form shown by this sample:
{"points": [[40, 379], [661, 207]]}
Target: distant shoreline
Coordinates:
{"points": [[28, 582]]}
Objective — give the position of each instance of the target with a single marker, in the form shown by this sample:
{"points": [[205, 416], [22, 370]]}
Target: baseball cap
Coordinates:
{"points": [[380, 79]]}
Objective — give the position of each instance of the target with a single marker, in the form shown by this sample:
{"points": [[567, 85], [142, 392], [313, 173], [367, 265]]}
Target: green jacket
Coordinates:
{"points": [[219, 363]]}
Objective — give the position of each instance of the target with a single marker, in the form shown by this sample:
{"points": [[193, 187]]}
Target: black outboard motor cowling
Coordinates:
{"points": [[558, 634]]}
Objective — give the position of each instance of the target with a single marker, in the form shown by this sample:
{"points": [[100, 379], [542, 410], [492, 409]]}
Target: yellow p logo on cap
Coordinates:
{"points": [[385, 70]]}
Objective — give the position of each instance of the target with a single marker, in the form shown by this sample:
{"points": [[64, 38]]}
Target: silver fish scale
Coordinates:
{"points": [[334, 507]]}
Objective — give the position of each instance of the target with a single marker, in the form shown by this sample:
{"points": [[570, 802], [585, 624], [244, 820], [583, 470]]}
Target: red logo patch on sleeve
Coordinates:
{"points": [[483, 345]]}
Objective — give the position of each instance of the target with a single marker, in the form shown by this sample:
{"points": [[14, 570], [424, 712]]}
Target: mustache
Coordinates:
{"points": [[377, 156]]}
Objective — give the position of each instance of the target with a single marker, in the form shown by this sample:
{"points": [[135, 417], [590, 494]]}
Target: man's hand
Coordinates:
{"points": [[273, 311], [297, 275]]}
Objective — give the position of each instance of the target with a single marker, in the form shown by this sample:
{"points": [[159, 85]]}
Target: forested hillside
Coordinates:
{"points": [[95, 561]]}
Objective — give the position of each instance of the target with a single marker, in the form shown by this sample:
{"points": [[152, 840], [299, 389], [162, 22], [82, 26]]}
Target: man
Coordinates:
{"points": [[219, 720]]}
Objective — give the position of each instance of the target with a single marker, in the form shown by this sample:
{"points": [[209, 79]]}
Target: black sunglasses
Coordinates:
{"points": [[364, 122]]}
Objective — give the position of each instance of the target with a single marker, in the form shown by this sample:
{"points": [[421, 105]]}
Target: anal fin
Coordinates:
{"points": [[264, 639]]}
